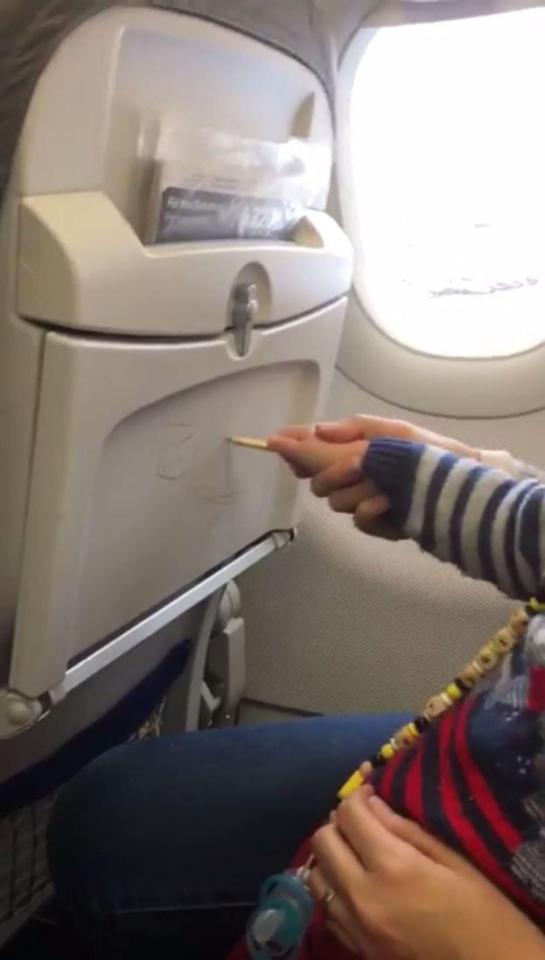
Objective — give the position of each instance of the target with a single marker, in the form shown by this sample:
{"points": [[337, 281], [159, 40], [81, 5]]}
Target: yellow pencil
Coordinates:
{"points": [[254, 443]]}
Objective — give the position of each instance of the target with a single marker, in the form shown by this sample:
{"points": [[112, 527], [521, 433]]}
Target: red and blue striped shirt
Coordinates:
{"points": [[477, 778]]}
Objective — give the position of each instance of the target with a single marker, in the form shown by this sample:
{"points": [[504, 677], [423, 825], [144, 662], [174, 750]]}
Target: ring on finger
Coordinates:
{"points": [[328, 896]]}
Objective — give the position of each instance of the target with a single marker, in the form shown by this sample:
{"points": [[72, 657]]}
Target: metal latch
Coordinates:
{"points": [[244, 315]]}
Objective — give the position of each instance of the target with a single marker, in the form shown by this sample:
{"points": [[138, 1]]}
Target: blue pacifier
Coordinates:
{"points": [[277, 928]]}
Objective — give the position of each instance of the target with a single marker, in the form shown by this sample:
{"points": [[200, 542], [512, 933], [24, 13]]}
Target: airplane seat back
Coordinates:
{"points": [[168, 279]]}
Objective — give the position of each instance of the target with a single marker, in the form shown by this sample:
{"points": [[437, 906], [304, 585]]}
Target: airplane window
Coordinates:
{"points": [[447, 154]]}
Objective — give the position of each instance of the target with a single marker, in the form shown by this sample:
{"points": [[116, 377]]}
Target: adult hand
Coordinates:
{"points": [[362, 427], [400, 894]]}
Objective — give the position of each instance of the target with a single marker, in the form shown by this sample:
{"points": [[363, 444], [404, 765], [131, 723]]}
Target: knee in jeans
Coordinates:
{"points": [[79, 834]]}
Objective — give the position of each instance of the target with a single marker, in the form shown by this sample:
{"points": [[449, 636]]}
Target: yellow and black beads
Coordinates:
{"points": [[486, 660]]}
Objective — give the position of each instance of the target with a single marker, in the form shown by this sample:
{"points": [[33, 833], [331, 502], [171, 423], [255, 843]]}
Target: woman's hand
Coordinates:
{"points": [[332, 456], [402, 895]]}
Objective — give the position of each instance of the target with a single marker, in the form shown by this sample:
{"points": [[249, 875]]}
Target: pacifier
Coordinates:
{"points": [[278, 926]]}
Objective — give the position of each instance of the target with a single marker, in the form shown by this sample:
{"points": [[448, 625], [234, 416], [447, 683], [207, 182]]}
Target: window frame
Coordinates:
{"points": [[423, 382]]}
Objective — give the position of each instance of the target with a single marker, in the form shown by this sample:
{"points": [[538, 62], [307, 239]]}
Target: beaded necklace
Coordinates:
{"points": [[486, 660]]}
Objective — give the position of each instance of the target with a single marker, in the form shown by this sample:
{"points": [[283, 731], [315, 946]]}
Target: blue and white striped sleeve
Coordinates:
{"points": [[477, 517]]}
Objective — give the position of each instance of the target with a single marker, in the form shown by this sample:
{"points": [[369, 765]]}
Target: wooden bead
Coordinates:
{"points": [[436, 707], [487, 658], [518, 623], [471, 675], [399, 742], [387, 751], [504, 640], [405, 737]]}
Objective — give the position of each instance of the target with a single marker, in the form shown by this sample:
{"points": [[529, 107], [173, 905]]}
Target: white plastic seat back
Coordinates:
{"points": [[128, 363], [125, 364]]}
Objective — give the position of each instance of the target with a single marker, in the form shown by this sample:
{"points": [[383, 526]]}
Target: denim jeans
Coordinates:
{"points": [[158, 849]]}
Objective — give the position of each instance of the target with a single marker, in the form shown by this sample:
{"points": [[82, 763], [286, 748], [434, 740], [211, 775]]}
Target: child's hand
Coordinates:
{"points": [[336, 472], [309, 456], [332, 455]]}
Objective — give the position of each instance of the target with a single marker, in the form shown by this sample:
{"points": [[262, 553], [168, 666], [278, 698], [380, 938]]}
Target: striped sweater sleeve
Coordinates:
{"points": [[481, 519]]}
